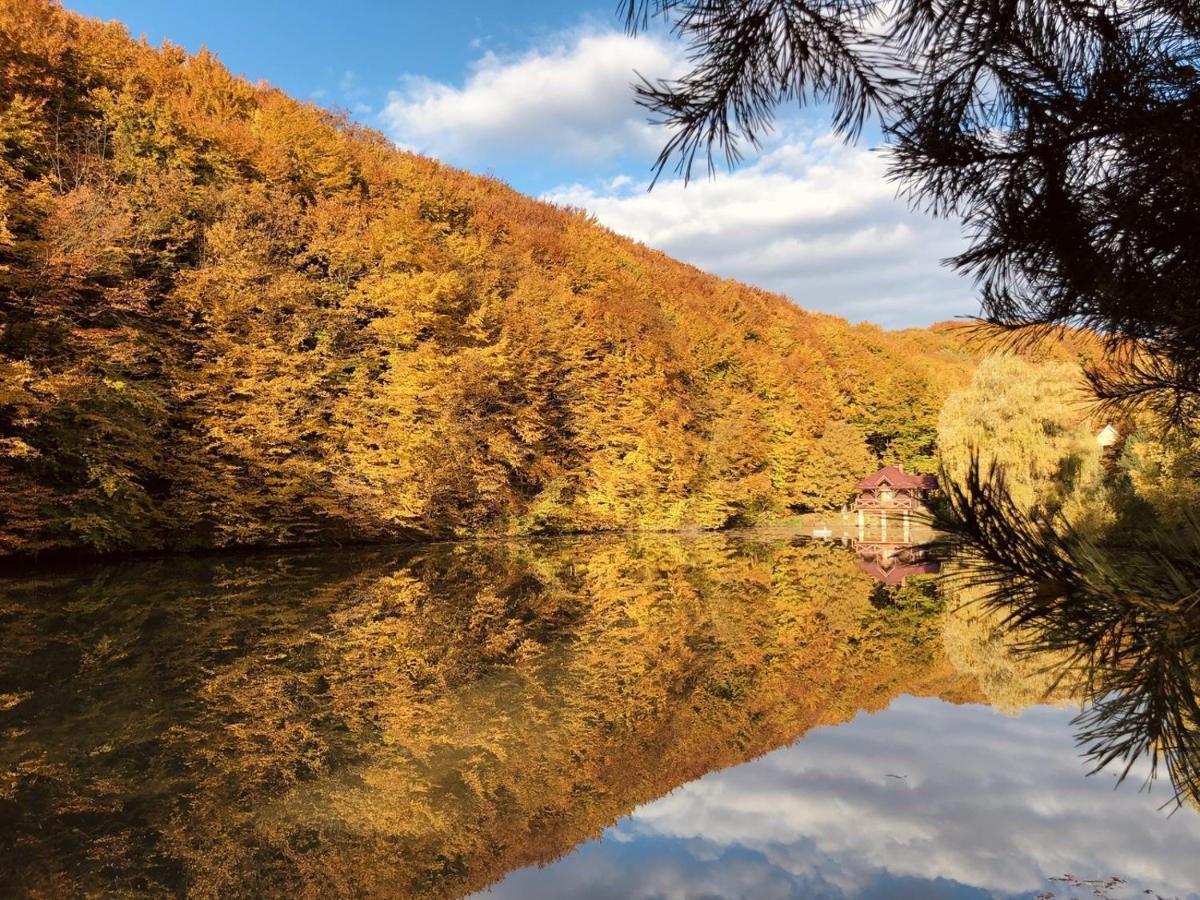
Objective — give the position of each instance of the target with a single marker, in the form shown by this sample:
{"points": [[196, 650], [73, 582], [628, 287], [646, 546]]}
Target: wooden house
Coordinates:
{"points": [[892, 488]]}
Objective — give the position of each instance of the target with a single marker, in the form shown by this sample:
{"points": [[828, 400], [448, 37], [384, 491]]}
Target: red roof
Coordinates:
{"points": [[898, 478], [896, 574]]}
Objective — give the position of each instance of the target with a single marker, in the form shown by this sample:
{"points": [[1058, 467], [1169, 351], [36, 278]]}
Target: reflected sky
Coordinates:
{"points": [[926, 799]]}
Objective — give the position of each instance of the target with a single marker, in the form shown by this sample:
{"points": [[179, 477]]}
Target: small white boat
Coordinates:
{"points": [[822, 532]]}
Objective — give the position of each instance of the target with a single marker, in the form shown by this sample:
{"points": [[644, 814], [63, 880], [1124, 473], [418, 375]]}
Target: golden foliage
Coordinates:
{"points": [[1163, 468], [1029, 419], [227, 317]]}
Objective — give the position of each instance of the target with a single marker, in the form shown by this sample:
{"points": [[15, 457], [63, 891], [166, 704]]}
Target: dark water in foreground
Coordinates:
{"points": [[728, 716]]}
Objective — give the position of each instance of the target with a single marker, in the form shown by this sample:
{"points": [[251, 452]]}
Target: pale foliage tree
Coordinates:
{"points": [[1027, 419]]}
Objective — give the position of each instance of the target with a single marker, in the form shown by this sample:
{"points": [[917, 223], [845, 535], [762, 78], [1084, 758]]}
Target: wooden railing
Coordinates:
{"points": [[897, 502]]}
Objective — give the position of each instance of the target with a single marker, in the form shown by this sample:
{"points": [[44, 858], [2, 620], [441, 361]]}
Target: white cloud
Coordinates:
{"points": [[568, 100], [811, 218]]}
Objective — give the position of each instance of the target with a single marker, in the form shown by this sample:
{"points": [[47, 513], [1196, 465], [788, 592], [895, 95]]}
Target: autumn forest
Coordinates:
{"points": [[230, 318], [371, 528]]}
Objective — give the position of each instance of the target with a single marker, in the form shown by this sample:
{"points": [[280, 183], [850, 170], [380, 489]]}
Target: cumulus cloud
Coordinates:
{"points": [[811, 218], [570, 99], [986, 804]]}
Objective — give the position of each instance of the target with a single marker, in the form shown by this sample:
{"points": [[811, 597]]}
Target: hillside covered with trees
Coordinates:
{"points": [[230, 318]]}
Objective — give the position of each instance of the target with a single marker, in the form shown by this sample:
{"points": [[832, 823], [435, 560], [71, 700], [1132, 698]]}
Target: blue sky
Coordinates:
{"points": [[538, 94]]}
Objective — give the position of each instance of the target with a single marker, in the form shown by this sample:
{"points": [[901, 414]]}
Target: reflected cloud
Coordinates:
{"points": [[925, 799]]}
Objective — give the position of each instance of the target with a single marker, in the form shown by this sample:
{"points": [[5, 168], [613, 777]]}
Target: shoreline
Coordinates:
{"points": [[72, 558]]}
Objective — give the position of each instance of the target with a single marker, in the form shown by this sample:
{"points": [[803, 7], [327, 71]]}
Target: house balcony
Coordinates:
{"points": [[899, 502]]}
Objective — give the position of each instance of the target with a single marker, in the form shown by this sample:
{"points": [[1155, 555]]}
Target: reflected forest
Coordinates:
{"points": [[421, 722], [374, 528]]}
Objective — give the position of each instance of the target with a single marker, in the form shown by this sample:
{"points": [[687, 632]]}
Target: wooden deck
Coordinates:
{"points": [[884, 527]]}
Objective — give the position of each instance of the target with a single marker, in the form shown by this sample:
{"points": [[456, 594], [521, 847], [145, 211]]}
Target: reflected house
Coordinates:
{"points": [[893, 563]]}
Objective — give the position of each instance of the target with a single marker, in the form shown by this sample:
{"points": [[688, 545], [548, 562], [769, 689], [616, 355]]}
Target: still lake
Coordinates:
{"points": [[744, 715]]}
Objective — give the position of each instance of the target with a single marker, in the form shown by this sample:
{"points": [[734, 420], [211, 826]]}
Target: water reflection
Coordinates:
{"points": [[377, 723], [894, 563], [891, 545], [927, 799], [357, 723]]}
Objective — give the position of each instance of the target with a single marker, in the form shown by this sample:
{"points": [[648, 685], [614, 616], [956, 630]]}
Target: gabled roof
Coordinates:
{"points": [[896, 574], [898, 478]]}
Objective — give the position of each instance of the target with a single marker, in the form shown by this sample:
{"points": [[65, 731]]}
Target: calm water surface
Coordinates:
{"points": [[726, 716]]}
